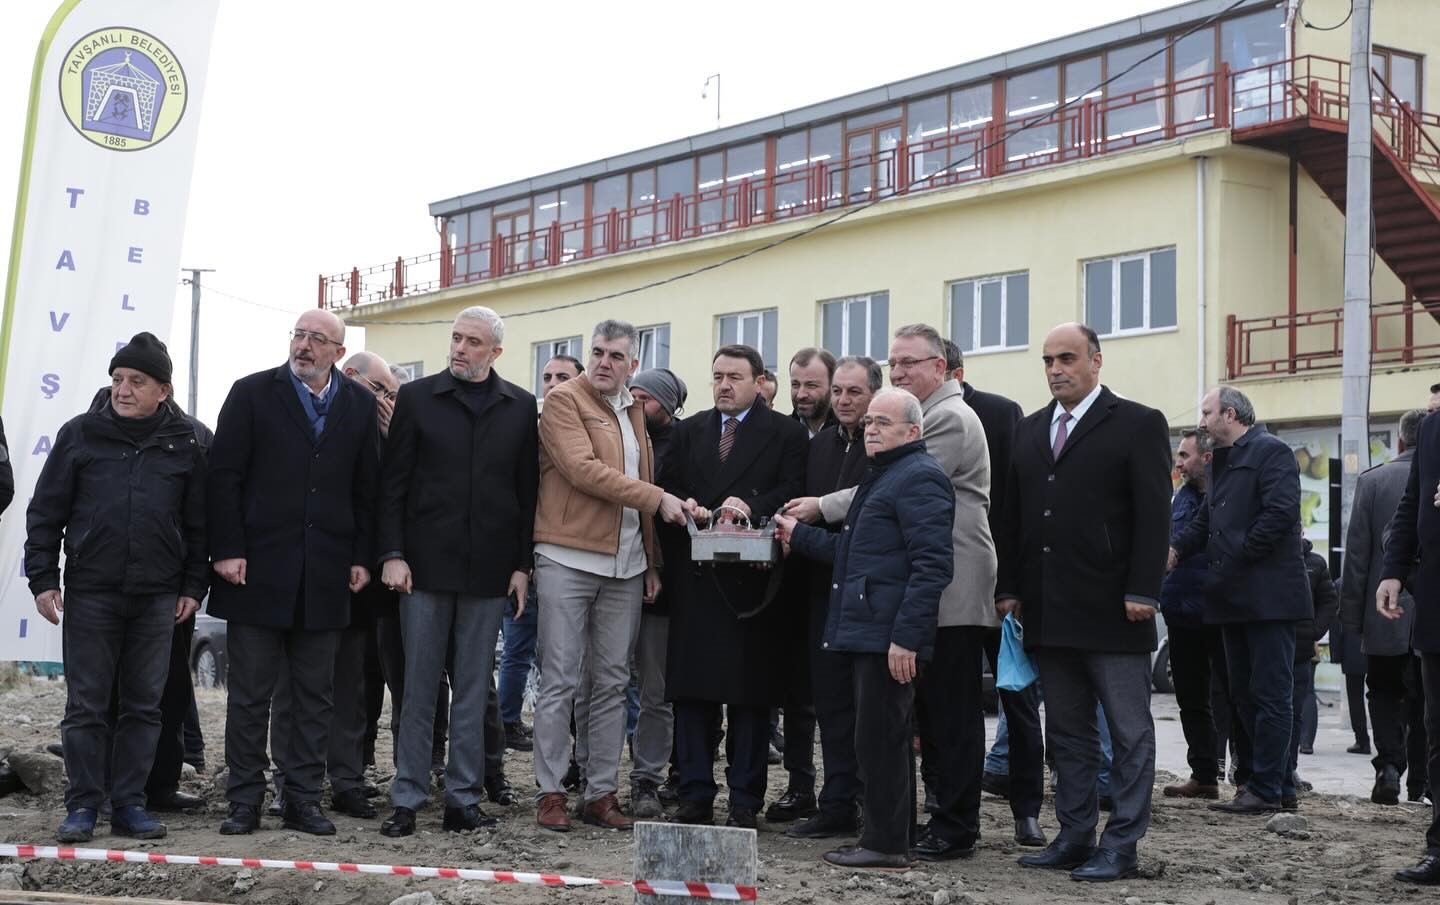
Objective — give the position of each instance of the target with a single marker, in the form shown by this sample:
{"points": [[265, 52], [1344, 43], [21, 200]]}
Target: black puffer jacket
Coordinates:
{"points": [[131, 516], [1323, 599]]}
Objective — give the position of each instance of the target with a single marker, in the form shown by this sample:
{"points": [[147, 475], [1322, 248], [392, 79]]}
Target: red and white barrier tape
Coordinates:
{"points": [[720, 891]]}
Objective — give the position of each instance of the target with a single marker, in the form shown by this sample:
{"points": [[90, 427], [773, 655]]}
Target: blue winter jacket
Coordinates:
{"points": [[1182, 597]]}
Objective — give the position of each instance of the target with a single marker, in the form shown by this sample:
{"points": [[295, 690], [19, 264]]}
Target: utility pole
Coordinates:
{"points": [[1355, 380], [194, 282]]}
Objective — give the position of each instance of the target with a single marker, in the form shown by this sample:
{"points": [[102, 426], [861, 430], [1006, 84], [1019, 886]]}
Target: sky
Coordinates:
{"points": [[328, 127]]}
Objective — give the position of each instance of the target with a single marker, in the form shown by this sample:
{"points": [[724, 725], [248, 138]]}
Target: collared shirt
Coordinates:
{"points": [[1076, 414], [725, 419], [629, 561], [308, 399]]}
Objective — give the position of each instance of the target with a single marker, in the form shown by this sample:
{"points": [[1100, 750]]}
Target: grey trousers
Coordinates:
{"points": [[655, 725], [1075, 681], [588, 626], [431, 622]]}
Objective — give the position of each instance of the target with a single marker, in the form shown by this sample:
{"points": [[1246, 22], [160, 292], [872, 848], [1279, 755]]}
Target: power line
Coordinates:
{"points": [[849, 211], [244, 301], [1300, 14]]}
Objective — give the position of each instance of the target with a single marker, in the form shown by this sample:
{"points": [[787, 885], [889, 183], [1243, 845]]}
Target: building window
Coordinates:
{"points": [[413, 370], [856, 325], [1131, 293], [991, 313], [549, 349], [654, 347], [1402, 72], [756, 329]]}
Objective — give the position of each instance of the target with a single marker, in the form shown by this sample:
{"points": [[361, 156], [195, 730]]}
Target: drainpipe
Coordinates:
{"points": [[1201, 260]]}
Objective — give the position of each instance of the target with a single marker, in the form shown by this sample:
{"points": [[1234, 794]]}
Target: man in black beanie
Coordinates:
{"points": [[124, 490]]}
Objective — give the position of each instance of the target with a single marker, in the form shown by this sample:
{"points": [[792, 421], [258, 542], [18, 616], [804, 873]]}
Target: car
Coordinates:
{"points": [[1160, 677], [209, 659]]}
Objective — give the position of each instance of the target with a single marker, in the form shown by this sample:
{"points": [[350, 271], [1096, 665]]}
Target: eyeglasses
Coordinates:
{"points": [[905, 364], [880, 421], [319, 339], [379, 390]]}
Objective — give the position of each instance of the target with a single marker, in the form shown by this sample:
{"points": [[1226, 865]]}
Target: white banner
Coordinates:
{"points": [[95, 253]]}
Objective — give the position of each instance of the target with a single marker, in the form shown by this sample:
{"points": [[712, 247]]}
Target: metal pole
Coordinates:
{"points": [[1355, 402], [194, 281]]}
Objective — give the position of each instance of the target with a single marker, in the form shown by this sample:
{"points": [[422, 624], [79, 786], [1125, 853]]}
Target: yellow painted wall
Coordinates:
{"points": [[1409, 25]]}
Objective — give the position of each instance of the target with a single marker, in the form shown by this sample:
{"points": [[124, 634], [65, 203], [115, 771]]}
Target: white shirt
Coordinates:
{"points": [[1076, 414]]}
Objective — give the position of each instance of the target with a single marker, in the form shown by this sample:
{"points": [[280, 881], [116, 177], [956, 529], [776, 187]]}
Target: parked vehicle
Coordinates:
{"points": [[209, 660]]}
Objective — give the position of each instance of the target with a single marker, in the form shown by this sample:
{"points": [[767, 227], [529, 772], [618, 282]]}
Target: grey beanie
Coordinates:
{"points": [[664, 387]]}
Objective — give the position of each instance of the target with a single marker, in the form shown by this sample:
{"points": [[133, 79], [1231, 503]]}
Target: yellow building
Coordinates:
{"points": [[1173, 180]]}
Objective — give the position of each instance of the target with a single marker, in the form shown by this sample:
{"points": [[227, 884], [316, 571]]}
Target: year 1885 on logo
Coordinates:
{"points": [[122, 88]]}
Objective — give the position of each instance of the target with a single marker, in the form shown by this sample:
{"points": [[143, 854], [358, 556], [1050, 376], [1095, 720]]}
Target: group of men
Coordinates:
{"points": [[914, 518]]}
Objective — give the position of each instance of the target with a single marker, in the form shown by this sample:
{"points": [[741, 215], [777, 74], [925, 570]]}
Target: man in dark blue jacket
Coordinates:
{"points": [[1256, 586], [892, 562]]}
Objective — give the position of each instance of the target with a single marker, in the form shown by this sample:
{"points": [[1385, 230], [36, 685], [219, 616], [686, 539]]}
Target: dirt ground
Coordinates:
{"points": [[1191, 855]]}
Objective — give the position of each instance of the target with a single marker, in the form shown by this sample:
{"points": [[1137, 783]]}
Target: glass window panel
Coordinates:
{"points": [[609, 194], [825, 144], [1132, 294], [832, 327], [572, 203], [962, 315], [792, 165], [642, 198], [513, 206], [479, 258], [1099, 296], [480, 225], [547, 209], [888, 114], [1081, 79], [1031, 96], [745, 162], [770, 338], [1162, 288], [1193, 56], [711, 177], [879, 324], [926, 120], [654, 347], [970, 107], [1140, 118], [859, 167], [457, 236], [750, 330], [1017, 310], [729, 327], [855, 340], [1246, 42], [676, 178], [885, 162], [990, 314], [1405, 79]]}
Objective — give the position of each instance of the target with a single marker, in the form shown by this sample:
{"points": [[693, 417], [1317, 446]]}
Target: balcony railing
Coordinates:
{"points": [[1401, 333], [1251, 98]]}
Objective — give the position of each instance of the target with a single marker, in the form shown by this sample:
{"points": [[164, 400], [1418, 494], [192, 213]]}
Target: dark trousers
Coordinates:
{"points": [[194, 738], [799, 755], [952, 730], [258, 655], [494, 735], [1027, 740], [747, 743], [1430, 676], [345, 764], [1355, 700], [1307, 712], [1261, 657], [1075, 683], [112, 640], [884, 710], [175, 704], [1197, 658], [832, 678], [1397, 715], [392, 666], [374, 694], [1303, 690]]}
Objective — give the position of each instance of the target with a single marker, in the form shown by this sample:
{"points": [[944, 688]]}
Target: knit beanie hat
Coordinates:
{"points": [[144, 353], [664, 387]]}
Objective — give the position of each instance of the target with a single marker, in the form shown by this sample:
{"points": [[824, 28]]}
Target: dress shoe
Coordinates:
{"points": [[997, 784], [793, 805], [499, 791], [551, 813], [1387, 786], [1306, 749], [1028, 832], [669, 791], [1426, 873], [605, 813], [353, 803], [197, 762], [931, 847], [56, 749], [517, 738], [244, 819], [645, 800], [824, 825], [135, 822], [1302, 784], [174, 800], [1359, 748], [371, 790], [1247, 802], [1060, 855], [743, 818], [1420, 796], [78, 826], [1289, 803], [470, 817], [697, 813], [863, 858], [307, 817], [400, 823], [1193, 788], [1107, 864]]}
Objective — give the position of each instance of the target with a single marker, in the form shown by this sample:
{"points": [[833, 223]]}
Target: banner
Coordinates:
{"points": [[95, 251]]}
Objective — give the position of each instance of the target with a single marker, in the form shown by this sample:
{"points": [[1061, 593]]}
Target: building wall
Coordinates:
{"points": [[1408, 25]]}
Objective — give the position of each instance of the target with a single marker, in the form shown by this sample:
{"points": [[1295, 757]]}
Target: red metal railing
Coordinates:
{"points": [[1259, 346], [1251, 98]]}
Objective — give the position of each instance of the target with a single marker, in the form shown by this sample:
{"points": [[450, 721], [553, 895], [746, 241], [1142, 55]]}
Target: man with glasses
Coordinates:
{"points": [[293, 476]]}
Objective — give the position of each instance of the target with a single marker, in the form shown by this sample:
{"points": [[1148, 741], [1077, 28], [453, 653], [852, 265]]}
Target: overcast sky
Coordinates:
{"points": [[327, 126]]}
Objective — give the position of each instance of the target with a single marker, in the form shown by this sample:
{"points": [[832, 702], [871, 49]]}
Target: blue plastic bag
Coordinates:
{"points": [[1015, 672]]}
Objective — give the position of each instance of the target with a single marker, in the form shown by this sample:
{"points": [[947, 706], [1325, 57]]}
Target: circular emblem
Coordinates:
{"points": [[122, 88]]}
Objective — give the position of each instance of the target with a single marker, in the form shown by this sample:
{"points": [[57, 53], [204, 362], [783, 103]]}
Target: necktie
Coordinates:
{"points": [[727, 437], [1060, 434]]}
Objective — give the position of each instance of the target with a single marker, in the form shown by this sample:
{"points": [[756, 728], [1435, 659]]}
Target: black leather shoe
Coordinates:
{"points": [[1247, 802], [1359, 748], [743, 818], [1028, 832], [371, 790], [1426, 873], [133, 821], [353, 803], [1387, 786], [699, 813], [930, 847], [517, 738], [1289, 803], [498, 790], [824, 825], [932, 802], [470, 817], [997, 784], [1105, 865], [792, 805], [78, 826], [400, 823], [56, 749], [307, 817], [1059, 855], [174, 800], [857, 857], [244, 819]]}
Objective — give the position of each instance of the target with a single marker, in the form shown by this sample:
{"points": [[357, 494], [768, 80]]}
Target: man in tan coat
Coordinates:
{"points": [[952, 724], [595, 562]]}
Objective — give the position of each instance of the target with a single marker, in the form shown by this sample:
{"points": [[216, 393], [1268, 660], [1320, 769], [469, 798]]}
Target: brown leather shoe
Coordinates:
{"points": [[1191, 788], [605, 812], [551, 813]]}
